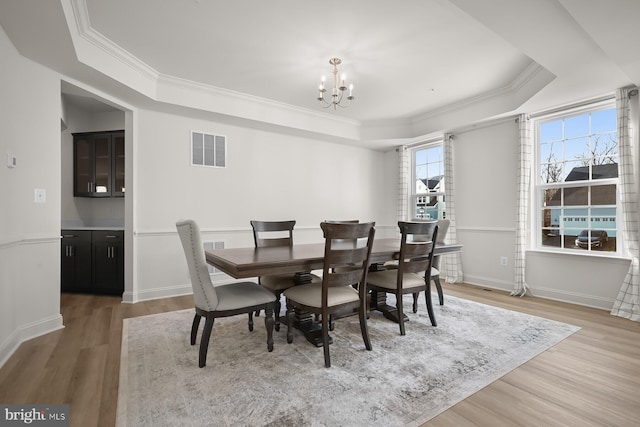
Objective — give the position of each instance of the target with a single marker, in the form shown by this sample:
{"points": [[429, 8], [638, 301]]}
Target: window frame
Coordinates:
{"points": [[412, 193], [538, 187]]}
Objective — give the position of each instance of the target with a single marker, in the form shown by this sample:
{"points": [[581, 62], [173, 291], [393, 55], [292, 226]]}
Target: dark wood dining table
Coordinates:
{"points": [[300, 260]]}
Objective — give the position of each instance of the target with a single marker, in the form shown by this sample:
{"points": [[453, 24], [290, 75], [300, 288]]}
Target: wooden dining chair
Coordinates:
{"points": [[443, 226], [346, 261], [212, 302], [276, 233], [413, 274]]}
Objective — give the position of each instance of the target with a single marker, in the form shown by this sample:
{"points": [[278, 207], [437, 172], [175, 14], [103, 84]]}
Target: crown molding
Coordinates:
{"points": [[187, 93], [177, 83], [97, 39]]}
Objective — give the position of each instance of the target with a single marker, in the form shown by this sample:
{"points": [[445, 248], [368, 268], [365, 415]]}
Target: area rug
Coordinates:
{"points": [[404, 380]]}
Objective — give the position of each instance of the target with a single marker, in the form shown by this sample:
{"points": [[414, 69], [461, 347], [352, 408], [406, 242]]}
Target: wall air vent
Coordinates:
{"points": [[208, 150]]}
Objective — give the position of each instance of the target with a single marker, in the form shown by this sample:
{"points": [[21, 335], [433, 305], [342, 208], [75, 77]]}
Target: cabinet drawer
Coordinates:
{"points": [[108, 236], [76, 236]]}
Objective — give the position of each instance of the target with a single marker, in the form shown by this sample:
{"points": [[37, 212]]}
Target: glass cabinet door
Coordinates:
{"points": [[102, 159], [118, 164], [98, 164], [83, 179]]}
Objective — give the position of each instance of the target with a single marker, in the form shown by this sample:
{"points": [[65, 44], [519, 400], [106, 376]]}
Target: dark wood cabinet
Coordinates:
{"points": [[108, 261], [93, 261], [98, 164], [76, 260]]}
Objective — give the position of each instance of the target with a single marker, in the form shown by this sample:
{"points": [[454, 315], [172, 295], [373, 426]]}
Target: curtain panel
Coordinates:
{"points": [[452, 262], [627, 304], [525, 161], [403, 183]]}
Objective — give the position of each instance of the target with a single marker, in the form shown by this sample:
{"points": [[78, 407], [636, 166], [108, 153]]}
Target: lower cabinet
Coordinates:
{"points": [[92, 261]]}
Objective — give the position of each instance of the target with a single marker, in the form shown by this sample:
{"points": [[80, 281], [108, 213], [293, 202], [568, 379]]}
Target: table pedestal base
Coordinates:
{"points": [[379, 303], [305, 321]]}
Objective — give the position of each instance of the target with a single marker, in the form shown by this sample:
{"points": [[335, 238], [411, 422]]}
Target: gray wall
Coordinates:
{"points": [[29, 232]]}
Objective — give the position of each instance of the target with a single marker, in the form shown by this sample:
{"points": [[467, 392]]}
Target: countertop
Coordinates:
{"points": [[94, 228]]}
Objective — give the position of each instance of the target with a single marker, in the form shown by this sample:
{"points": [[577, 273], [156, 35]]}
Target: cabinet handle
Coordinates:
{"points": [[69, 235], [111, 237]]}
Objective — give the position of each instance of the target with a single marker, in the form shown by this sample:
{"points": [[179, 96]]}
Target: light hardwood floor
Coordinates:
{"points": [[591, 378]]}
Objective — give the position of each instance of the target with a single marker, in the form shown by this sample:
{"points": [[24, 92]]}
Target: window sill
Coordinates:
{"points": [[581, 253]]}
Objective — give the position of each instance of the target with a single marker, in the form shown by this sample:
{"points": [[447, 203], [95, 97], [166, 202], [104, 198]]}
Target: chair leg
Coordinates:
{"points": [[250, 322], [194, 328], [415, 302], [400, 308], [268, 323], [432, 315], [204, 342], [436, 280], [325, 341], [363, 326], [290, 315], [277, 309]]}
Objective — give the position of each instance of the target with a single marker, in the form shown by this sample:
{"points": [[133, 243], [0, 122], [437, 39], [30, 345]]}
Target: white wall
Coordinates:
{"points": [[269, 176], [29, 232], [485, 163], [485, 179]]}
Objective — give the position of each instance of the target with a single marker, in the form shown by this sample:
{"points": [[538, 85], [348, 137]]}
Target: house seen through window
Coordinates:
{"points": [[427, 180], [577, 180]]}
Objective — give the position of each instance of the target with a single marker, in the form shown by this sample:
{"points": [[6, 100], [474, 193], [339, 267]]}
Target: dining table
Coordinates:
{"points": [[300, 260]]}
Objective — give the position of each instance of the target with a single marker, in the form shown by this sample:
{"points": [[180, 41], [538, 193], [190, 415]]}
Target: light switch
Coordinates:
{"points": [[39, 195], [11, 161]]}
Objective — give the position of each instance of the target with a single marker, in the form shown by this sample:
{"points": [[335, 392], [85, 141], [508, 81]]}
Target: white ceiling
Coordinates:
{"points": [[407, 59]]}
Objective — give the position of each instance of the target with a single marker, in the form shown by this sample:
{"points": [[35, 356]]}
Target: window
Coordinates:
{"points": [[577, 179], [208, 150], [427, 182]]}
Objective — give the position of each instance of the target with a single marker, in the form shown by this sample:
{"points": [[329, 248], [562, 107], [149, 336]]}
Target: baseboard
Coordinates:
{"points": [[27, 332], [574, 298], [156, 293], [546, 293], [8, 347], [488, 282]]}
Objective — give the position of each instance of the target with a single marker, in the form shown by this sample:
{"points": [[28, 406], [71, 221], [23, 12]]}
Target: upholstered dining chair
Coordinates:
{"points": [[276, 233], [346, 262], [212, 302], [416, 256]]}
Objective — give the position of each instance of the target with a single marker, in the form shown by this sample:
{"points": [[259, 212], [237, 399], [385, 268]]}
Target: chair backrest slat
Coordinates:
{"points": [[272, 233], [416, 246], [347, 252]]}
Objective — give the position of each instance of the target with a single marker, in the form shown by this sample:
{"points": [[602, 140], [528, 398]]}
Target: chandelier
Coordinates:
{"points": [[338, 91]]}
